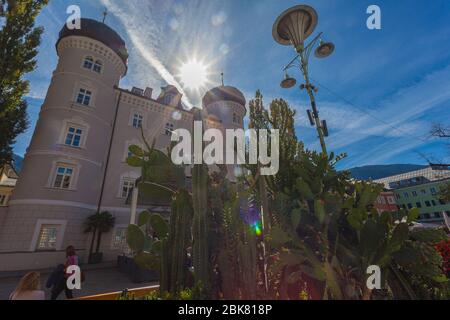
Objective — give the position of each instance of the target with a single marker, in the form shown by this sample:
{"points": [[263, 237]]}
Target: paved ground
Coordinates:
{"points": [[97, 282]]}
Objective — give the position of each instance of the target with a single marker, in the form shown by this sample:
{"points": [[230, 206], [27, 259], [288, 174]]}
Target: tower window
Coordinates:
{"points": [[168, 98], [84, 97], [169, 129], [3, 200], [47, 237], [137, 120], [126, 187], [73, 136], [63, 177], [98, 65], [88, 63]]}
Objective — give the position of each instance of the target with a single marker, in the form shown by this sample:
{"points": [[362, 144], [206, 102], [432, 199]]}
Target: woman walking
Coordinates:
{"points": [[71, 260]]}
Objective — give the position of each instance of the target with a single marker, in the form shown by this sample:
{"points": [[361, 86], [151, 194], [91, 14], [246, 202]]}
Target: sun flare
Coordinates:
{"points": [[193, 74]]}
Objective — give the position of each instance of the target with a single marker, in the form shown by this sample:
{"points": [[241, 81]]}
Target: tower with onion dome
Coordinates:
{"points": [[63, 170], [224, 108]]}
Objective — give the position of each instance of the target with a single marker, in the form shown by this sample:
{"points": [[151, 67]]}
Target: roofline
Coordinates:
{"points": [[77, 35], [422, 184], [151, 100]]}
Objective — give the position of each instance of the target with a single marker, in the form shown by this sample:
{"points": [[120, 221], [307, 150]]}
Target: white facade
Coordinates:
{"points": [[80, 146]]}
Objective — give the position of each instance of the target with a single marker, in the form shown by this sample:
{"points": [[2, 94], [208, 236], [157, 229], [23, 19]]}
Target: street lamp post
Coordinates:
{"points": [[293, 27]]}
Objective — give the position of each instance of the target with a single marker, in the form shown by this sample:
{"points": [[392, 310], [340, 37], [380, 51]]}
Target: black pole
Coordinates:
{"points": [[109, 153]]}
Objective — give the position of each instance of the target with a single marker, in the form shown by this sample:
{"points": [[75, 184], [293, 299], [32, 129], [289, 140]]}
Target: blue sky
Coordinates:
{"points": [[395, 81]]}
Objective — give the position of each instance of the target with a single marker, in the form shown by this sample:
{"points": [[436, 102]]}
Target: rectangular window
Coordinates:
{"points": [[169, 129], [410, 206], [397, 196], [423, 191], [137, 121], [437, 215], [47, 237], [120, 238], [418, 204], [427, 203], [433, 202], [3, 199], [73, 136], [406, 195], [414, 193], [433, 191], [391, 200], [84, 97], [126, 188], [63, 177], [88, 63]]}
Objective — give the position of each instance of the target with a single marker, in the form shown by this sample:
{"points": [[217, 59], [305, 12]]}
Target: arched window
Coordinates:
{"points": [[88, 63], [98, 65]]}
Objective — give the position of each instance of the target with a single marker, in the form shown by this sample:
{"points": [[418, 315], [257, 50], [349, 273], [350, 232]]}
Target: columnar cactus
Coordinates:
{"points": [[201, 226]]}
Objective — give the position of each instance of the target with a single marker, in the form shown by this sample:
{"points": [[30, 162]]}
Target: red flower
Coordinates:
{"points": [[444, 250]]}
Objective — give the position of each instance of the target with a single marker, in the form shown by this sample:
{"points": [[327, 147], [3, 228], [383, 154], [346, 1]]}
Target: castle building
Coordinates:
{"points": [[76, 162]]}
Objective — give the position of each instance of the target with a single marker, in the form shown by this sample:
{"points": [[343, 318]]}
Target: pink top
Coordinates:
{"points": [[28, 295]]}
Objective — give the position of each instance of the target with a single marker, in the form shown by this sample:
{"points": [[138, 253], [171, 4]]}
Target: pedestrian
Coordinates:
{"points": [[29, 288], [71, 260], [55, 279]]}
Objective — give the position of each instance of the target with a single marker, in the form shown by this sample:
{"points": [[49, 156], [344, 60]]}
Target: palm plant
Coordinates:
{"points": [[97, 224]]}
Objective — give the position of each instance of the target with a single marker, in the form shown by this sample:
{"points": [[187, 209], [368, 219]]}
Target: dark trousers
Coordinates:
{"points": [[60, 287]]}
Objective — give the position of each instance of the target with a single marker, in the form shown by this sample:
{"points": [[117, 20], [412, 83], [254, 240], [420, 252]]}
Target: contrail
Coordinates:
{"points": [[145, 51]]}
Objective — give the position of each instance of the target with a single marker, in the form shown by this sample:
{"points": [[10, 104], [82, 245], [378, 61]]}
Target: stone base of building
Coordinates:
{"points": [[21, 225]]}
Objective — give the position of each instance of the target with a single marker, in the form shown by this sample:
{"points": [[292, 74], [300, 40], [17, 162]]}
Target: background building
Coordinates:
{"points": [[420, 189], [76, 162], [386, 202], [8, 180]]}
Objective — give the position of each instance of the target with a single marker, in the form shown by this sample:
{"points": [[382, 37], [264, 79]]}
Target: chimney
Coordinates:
{"points": [[137, 91], [148, 92]]}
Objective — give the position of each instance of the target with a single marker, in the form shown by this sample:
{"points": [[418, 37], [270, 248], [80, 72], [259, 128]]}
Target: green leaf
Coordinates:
{"points": [[144, 217], [413, 215], [430, 236], [159, 225], [147, 260], [157, 247], [137, 151], [333, 282], [295, 217], [319, 210], [372, 237], [354, 218], [135, 238], [278, 237], [135, 162], [156, 191], [304, 189], [399, 236]]}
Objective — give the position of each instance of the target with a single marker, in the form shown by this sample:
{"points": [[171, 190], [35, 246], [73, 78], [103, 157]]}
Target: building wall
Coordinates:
{"points": [[386, 202], [36, 203], [418, 197]]}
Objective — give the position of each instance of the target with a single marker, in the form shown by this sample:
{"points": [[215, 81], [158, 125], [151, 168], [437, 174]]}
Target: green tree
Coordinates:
{"points": [[19, 40], [97, 224]]}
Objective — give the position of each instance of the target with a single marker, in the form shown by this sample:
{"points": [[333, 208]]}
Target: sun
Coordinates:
{"points": [[194, 74]]}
